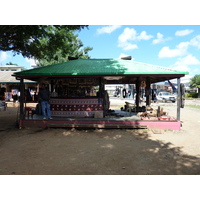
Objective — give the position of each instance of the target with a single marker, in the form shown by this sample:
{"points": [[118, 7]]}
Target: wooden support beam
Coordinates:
{"points": [[51, 86], [137, 92], [21, 99], [101, 94], [179, 99], [148, 91], [100, 87]]}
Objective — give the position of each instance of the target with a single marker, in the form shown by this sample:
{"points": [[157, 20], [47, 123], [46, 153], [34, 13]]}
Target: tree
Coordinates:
{"points": [[74, 49], [195, 83], [10, 63], [39, 41]]}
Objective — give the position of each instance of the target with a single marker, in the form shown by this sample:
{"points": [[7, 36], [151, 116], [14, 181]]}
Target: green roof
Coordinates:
{"points": [[101, 67]]}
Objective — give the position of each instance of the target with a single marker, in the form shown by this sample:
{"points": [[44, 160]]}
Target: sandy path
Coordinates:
{"points": [[70, 151]]}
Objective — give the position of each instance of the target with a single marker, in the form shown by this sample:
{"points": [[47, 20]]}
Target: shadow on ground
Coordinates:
{"points": [[101, 151]]}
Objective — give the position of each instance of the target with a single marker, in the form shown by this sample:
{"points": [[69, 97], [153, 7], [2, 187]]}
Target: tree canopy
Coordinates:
{"points": [[10, 63], [195, 83], [43, 42]]}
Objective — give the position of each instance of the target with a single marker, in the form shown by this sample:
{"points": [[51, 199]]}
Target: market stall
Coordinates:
{"points": [[77, 97], [77, 90]]}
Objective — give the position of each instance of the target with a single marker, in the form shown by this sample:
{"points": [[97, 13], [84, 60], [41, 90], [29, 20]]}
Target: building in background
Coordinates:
{"points": [[9, 86]]}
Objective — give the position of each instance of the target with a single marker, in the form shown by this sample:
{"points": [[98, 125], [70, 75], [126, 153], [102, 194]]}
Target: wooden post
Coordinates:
{"points": [[21, 99], [100, 87], [178, 99], [101, 96], [137, 92], [148, 91]]}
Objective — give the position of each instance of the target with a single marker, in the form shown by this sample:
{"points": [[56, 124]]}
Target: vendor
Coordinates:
{"points": [[44, 97]]}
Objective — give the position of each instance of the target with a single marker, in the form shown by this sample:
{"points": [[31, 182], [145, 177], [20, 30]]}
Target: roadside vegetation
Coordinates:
{"points": [[191, 95]]}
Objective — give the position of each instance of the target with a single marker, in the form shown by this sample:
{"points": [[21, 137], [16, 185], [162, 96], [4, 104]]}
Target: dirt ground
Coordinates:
{"points": [[61, 151]]}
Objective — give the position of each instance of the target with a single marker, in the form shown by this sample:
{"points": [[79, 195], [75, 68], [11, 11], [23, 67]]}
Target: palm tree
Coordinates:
{"points": [[195, 83]]}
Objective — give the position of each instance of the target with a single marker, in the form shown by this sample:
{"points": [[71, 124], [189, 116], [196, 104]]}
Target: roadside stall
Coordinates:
{"points": [[79, 99]]}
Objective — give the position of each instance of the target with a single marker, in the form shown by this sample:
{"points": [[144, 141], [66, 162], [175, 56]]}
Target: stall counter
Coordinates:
{"points": [[75, 107]]}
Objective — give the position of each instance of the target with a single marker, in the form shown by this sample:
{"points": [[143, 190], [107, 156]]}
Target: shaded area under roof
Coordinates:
{"points": [[102, 68]]}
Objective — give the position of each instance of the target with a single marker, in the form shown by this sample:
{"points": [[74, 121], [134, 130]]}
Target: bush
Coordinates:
{"points": [[192, 95]]}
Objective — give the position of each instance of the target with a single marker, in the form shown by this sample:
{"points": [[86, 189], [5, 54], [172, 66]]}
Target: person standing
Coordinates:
{"points": [[44, 97]]}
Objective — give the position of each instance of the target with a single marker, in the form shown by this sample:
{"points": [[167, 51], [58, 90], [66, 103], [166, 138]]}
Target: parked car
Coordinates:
{"points": [[166, 96]]}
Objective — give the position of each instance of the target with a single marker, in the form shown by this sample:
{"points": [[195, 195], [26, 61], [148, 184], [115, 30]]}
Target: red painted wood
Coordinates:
{"points": [[172, 125]]}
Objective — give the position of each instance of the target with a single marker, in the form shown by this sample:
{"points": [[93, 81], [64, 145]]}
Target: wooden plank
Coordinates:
{"points": [[95, 125], [172, 125]]}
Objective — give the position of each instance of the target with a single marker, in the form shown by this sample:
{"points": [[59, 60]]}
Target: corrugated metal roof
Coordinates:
{"points": [[6, 77], [11, 68], [85, 67]]}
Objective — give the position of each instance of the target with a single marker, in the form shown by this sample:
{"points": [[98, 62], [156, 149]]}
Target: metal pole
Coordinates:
{"points": [[179, 99]]}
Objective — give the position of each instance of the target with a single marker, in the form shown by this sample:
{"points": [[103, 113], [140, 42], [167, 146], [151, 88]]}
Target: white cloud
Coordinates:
{"points": [[186, 79], [128, 46], [143, 36], [183, 64], [125, 37], [32, 61], [3, 56], [160, 39], [183, 32], [107, 29], [130, 35], [195, 41], [181, 50], [188, 60], [166, 52], [182, 68]]}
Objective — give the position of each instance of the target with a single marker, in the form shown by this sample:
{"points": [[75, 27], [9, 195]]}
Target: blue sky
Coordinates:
{"points": [[173, 46]]}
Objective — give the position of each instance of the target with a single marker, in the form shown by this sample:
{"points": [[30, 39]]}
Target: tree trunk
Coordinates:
{"points": [[198, 92]]}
